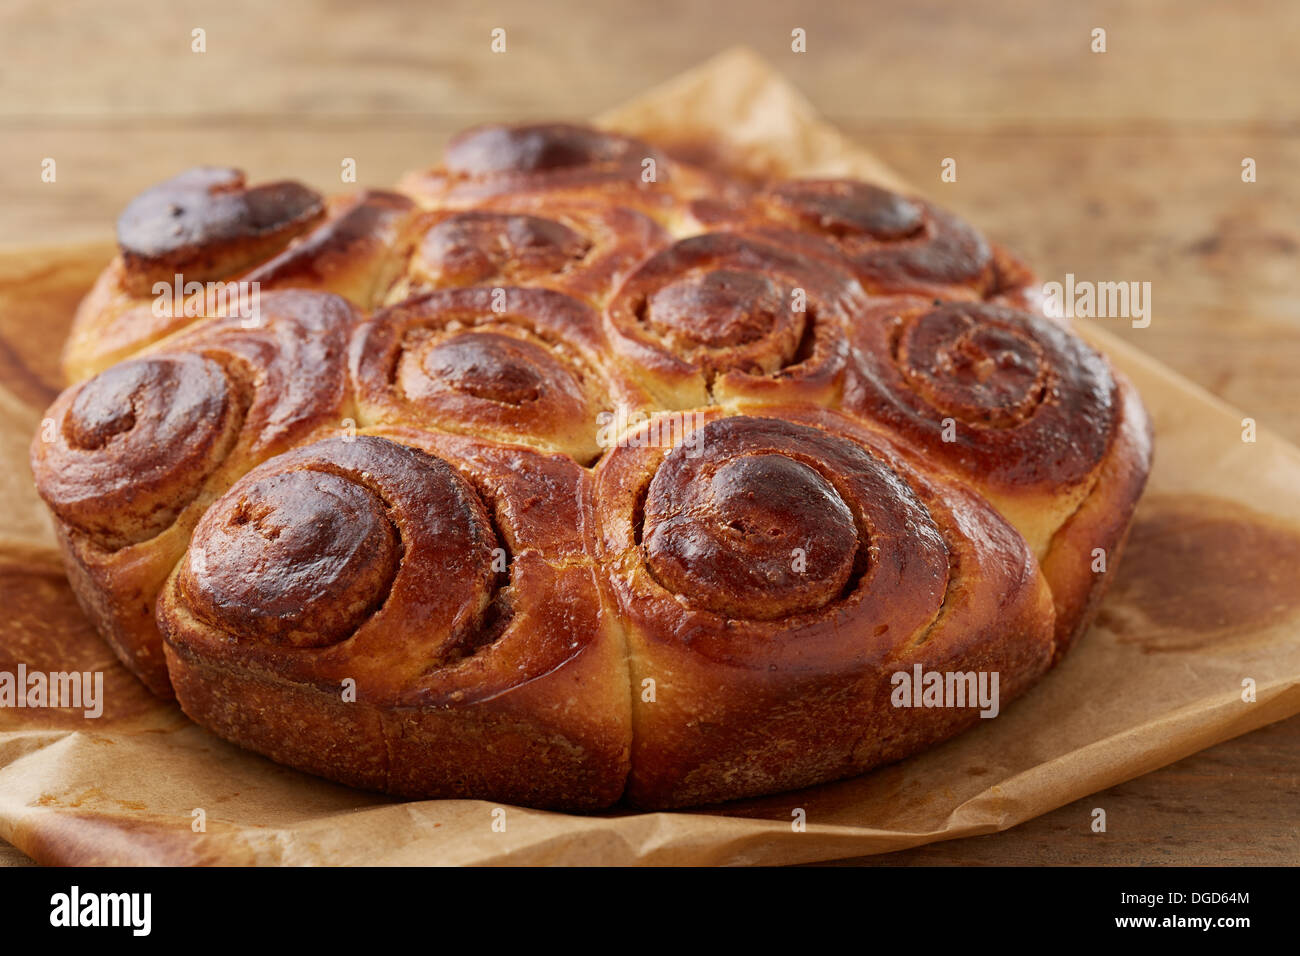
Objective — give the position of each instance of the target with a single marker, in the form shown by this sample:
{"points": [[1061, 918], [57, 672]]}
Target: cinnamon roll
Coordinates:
{"points": [[895, 244], [202, 245], [726, 317], [559, 159], [520, 365], [357, 253], [578, 247], [130, 459], [774, 570], [575, 473], [207, 223], [1023, 411], [425, 621]]}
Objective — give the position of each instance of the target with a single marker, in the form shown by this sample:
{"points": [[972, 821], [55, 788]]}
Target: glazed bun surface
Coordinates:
{"points": [[570, 473]]}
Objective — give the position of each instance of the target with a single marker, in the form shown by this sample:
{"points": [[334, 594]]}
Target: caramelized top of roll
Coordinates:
{"points": [[724, 311], [136, 444], [798, 541], [541, 148], [475, 246], [721, 528], [561, 159], [206, 223], [895, 244], [496, 159], [521, 365], [1010, 398], [579, 247], [326, 549], [433, 569], [355, 253]]}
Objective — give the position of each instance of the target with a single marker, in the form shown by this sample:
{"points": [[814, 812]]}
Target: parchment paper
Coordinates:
{"points": [[1205, 599]]}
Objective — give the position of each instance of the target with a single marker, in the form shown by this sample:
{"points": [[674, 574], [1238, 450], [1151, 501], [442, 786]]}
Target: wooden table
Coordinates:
{"points": [[1123, 165]]}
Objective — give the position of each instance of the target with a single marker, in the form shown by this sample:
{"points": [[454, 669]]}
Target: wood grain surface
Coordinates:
{"points": [[1123, 165]]}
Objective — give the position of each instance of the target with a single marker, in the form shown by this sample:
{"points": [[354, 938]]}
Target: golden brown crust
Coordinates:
{"points": [[580, 247], [140, 451], [515, 364], [354, 247], [727, 316], [559, 160], [1080, 563], [893, 243], [638, 481], [1025, 412], [1017, 405], [204, 225], [773, 573], [111, 324], [357, 253], [381, 564], [207, 223], [1015, 285]]}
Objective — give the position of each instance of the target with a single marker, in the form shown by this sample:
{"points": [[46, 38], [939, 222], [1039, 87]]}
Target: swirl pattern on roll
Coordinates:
{"points": [[603, 475], [137, 452], [136, 443], [516, 364], [357, 252], [763, 526], [720, 530], [797, 556], [393, 557], [329, 527], [561, 159], [894, 243], [1001, 395], [727, 316], [448, 581], [207, 224], [233, 250], [581, 248]]}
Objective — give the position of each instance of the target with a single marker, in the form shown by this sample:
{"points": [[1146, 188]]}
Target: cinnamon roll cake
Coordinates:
{"points": [[569, 473]]}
